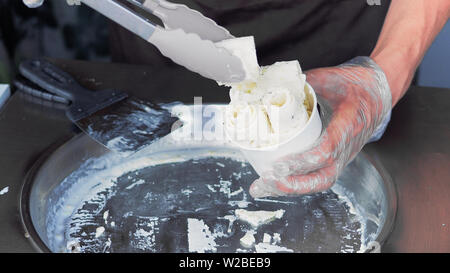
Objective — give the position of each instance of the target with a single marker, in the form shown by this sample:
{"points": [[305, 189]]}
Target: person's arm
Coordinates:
{"points": [[408, 31], [357, 98]]}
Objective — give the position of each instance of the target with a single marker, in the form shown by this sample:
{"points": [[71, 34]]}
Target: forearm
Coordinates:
{"points": [[408, 31]]}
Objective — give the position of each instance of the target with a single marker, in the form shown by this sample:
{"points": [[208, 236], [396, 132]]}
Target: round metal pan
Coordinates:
{"points": [[314, 223]]}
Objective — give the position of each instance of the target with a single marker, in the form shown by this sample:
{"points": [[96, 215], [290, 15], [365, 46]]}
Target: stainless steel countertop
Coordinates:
{"points": [[415, 150]]}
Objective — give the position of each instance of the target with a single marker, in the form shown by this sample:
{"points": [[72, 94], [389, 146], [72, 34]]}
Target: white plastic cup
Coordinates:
{"points": [[263, 159]]}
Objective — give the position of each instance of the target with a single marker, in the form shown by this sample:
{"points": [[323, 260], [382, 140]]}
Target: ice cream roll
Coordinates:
{"points": [[246, 92], [285, 111], [286, 75], [247, 124]]}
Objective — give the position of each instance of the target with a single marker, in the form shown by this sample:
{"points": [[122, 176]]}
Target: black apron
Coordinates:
{"points": [[318, 33]]}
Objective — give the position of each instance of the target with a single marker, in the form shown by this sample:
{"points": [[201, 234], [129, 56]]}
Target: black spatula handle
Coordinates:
{"points": [[30, 90], [56, 81]]}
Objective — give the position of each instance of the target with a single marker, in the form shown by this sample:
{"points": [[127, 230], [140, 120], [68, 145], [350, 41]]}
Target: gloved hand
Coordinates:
{"points": [[354, 101], [33, 3]]}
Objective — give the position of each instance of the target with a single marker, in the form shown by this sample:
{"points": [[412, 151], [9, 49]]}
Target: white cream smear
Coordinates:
{"points": [[267, 108], [267, 238], [258, 218], [99, 231], [200, 238], [4, 191], [204, 234], [248, 240]]}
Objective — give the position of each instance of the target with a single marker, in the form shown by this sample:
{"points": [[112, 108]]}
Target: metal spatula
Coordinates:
{"points": [[121, 123]]}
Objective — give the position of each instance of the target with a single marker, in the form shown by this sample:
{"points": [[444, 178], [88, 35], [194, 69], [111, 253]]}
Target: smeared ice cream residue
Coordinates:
{"points": [[200, 238], [86, 217], [258, 218], [4, 191]]}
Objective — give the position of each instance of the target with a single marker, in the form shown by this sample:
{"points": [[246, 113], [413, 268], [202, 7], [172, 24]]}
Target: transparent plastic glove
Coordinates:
{"points": [[33, 3], [354, 101], [381, 129]]}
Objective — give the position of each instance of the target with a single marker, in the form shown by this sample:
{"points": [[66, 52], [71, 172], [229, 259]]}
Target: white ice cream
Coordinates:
{"points": [[268, 107], [258, 218], [99, 231], [33, 3], [244, 49], [248, 240], [267, 238]]}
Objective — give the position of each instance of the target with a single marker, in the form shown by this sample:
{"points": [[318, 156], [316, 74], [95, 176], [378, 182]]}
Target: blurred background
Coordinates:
{"points": [[59, 30]]}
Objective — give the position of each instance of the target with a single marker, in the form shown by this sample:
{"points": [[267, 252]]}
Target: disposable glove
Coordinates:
{"points": [[381, 129], [355, 101]]}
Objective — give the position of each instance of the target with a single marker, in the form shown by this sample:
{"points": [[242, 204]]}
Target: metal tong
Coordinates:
{"points": [[187, 37]]}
